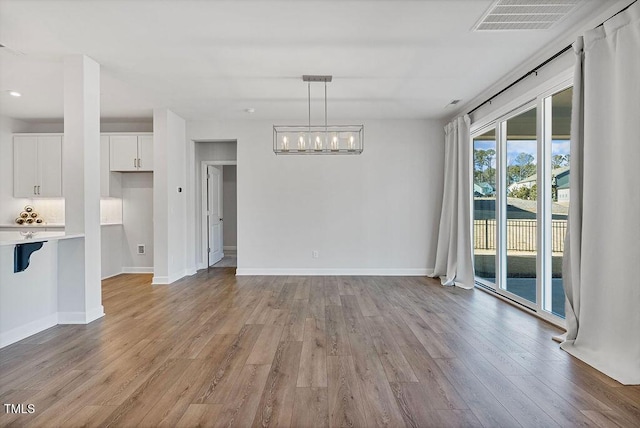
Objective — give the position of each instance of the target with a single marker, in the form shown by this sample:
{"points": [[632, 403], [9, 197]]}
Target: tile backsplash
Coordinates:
{"points": [[52, 210]]}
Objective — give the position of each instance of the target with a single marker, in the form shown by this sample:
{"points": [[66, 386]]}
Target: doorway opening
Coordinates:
{"points": [[219, 213]]}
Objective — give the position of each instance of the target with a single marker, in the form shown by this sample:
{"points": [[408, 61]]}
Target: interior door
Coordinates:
{"points": [[214, 213]]}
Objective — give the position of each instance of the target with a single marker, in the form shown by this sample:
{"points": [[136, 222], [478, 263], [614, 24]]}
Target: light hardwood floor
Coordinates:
{"points": [[220, 350], [230, 259]]}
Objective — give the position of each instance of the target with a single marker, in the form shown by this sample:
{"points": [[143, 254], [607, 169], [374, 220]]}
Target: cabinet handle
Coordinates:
{"points": [[139, 164], [38, 190], [134, 162], [34, 190]]}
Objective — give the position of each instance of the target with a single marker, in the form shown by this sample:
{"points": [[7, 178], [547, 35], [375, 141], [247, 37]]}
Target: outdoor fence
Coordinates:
{"points": [[521, 235]]}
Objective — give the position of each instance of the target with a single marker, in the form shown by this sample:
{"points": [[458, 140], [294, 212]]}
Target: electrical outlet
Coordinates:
{"points": [[315, 254], [141, 249]]}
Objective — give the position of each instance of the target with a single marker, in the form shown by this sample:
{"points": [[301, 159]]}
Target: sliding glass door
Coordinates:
{"points": [[484, 206], [520, 202], [520, 225], [558, 196]]}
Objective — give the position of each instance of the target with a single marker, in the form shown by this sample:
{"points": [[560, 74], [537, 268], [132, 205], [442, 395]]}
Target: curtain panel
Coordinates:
{"points": [[602, 247], [453, 262]]}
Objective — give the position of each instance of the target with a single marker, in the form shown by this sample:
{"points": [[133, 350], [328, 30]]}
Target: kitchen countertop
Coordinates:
{"points": [[30, 226], [45, 225], [12, 238]]}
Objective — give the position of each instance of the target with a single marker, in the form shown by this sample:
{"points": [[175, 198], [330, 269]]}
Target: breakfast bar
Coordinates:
{"points": [[30, 298]]}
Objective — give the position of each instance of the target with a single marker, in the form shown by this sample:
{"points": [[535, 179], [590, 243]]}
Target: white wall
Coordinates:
{"points": [[111, 249], [169, 204], [229, 206], [376, 213], [137, 221]]}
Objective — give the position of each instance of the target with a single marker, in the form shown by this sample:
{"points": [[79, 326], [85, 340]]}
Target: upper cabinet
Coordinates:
{"points": [[110, 182], [145, 153], [131, 152], [37, 166]]}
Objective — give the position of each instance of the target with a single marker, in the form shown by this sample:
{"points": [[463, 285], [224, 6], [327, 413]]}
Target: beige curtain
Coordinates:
{"points": [[602, 248], [453, 262]]}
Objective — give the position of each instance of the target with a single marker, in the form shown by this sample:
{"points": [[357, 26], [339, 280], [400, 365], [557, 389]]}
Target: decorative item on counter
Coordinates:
{"points": [[29, 216]]}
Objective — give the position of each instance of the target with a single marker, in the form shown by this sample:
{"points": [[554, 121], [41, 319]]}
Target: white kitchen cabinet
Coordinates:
{"points": [[145, 153], [131, 152], [123, 152], [110, 182], [37, 166]]}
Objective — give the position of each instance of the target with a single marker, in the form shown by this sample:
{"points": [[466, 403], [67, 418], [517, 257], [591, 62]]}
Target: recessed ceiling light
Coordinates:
{"points": [[15, 93], [250, 110]]}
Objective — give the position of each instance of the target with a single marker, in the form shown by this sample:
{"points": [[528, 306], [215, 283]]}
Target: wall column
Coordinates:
{"points": [[169, 198], [79, 260]]}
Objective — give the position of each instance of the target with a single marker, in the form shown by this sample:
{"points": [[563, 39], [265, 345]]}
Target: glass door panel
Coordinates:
{"points": [[484, 206], [559, 197], [520, 228]]}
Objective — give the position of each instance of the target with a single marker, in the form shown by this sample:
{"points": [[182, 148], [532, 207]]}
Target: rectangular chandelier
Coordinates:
{"points": [[318, 139]]}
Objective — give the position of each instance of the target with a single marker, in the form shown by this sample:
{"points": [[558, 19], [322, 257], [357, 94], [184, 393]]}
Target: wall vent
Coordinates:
{"points": [[510, 15]]}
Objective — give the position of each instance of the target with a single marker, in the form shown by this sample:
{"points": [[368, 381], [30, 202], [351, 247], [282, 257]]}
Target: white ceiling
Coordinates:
{"points": [[214, 59]]}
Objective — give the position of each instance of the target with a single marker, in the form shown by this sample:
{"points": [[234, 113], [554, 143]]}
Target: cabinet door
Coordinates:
{"points": [[110, 182], [25, 175], [123, 153], [145, 152], [104, 166], [50, 166]]}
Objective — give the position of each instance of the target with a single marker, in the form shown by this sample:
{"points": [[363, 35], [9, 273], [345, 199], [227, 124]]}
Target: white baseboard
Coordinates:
{"points": [[191, 271], [164, 280], [230, 248], [22, 332], [334, 272], [95, 313], [112, 275], [34, 327], [81, 317], [137, 269]]}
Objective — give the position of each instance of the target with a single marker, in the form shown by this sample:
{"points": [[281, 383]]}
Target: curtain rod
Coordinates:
{"points": [[535, 69]]}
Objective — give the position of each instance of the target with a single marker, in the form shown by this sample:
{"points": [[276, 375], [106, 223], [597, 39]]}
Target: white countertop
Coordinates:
{"points": [[31, 226], [12, 238], [45, 225]]}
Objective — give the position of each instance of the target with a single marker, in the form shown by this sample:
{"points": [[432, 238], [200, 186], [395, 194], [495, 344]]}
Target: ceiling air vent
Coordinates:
{"points": [[510, 15]]}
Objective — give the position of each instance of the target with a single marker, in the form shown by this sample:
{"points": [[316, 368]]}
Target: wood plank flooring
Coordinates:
{"points": [[219, 350]]}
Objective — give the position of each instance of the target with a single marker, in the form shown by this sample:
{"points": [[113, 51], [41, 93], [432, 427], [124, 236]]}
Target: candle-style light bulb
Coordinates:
{"points": [[301, 143], [334, 143], [285, 144], [318, 145], [351, 141]]}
